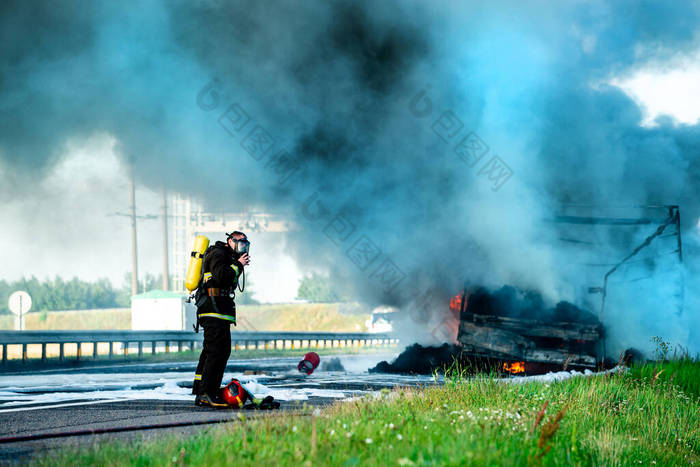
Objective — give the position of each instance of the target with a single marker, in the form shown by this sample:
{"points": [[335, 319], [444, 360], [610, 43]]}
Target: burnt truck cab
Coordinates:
{"points": [[513, 325]]}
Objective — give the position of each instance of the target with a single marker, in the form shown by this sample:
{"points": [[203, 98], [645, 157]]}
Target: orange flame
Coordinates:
{"points": [[515, 367], [456, 303]]}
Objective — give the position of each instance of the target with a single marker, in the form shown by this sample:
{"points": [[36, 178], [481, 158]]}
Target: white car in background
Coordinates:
{"points": [[381, 319]]}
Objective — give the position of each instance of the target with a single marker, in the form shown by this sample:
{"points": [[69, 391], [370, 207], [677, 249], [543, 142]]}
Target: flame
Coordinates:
{"points": [[456, 303], [515, 367]]}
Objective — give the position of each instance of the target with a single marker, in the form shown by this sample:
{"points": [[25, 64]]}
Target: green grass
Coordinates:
{"points": [[616, 419], [685, 373], [302, 317], [114, 318], [330, 317]]}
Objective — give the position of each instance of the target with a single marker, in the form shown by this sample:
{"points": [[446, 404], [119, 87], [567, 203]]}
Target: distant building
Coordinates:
{"points": [[187, 219], [162, 310]]}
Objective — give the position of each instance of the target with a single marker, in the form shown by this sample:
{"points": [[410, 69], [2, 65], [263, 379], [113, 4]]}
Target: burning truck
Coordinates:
{"points": [[617, 255], [509, 329], [514, 326]]}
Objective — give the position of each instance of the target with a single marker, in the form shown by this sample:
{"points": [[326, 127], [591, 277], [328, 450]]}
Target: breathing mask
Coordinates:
{"points": [[241, 246]]}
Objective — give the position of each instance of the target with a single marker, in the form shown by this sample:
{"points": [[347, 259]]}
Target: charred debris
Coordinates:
{"points": [[510, 331]]}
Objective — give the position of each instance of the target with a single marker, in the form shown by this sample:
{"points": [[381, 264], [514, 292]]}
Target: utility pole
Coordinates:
{"points": [[166, 285], [134, 259]]}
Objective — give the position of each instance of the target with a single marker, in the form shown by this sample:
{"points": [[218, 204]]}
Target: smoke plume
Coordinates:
{"points": [[417, 145]]}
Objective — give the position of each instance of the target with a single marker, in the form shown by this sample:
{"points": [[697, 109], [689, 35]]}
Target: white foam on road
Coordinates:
{"points": [[60, 389], [547, 378], [86, 382], [164, 381], [168, 391], [292, 394], [25, 390], [552, 377]]}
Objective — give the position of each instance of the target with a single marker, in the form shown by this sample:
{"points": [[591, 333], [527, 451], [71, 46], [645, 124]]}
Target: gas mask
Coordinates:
{"points": [[241, 246]]}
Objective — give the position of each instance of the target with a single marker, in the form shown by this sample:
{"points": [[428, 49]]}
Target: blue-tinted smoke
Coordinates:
{"points": [[384, 197]]}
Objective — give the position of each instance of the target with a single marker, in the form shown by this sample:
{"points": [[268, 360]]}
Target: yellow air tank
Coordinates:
{"points": [[194, 269]]}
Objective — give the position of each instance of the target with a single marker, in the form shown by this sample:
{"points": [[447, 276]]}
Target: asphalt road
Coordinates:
{"points": [[140, 395], [95, 416]]}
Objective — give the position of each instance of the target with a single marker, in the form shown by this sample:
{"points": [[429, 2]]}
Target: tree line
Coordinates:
{"points": [[75, 294], [319, 288]]}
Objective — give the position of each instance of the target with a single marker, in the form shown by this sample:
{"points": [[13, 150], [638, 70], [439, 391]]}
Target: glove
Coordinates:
{"points": [[268, 403]]}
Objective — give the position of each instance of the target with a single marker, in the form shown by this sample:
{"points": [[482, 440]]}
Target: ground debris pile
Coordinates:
{"points": [[417, 359]]}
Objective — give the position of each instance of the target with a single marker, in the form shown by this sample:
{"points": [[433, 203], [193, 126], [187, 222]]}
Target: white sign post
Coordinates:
{"points": [[20, 302]]}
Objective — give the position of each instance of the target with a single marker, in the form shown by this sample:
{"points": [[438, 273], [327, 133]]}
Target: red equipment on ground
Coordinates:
{"points": [[234, 394], [309, 363]]}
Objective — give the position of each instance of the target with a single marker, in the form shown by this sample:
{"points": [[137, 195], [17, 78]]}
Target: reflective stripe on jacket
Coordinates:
{"points": [[220, 271]]}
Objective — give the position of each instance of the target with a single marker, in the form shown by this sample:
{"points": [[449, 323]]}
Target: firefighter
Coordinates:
{"points": [[216, 311]]}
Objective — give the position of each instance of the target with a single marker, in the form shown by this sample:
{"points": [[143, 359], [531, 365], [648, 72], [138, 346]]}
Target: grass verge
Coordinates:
{"points": [[114, 318], [682, 372], [335, 317], [614, 419]]}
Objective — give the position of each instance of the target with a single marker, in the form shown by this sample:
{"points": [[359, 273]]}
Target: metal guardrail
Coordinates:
{"points": [[183, 339]]}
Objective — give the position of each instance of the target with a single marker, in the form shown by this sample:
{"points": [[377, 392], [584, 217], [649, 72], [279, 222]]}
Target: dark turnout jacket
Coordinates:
{"points": [[221, 272]]}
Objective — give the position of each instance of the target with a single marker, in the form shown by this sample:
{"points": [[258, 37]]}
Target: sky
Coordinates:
{"points": [[671, 89]]}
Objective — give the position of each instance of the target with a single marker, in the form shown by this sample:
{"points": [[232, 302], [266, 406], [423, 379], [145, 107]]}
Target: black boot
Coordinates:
{"points": [[205, 400]]}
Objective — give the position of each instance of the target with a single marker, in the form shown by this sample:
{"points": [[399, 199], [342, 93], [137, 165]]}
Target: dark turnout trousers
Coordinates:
{"points": [[214, 356]]}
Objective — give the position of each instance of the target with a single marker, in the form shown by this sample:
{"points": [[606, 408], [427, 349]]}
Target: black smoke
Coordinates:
{"points": [[524, 304], [333, 83]]}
